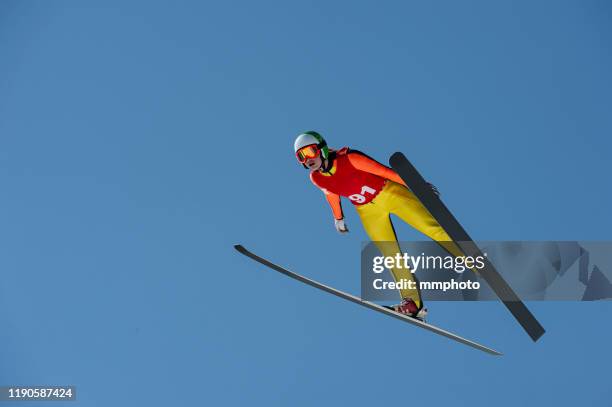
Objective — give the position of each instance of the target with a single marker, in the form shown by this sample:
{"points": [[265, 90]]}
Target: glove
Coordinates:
{"points": [[434, 189], [340, 226]]}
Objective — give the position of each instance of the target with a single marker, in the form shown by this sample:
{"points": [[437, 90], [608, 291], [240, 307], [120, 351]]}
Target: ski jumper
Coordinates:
{"points": [[377, 192]]}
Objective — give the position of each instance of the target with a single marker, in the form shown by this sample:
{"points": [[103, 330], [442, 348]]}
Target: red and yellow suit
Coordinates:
{"points": [[377, 192]]}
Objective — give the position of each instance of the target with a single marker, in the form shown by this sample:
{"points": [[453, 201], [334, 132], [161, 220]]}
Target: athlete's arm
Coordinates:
{"points": [[336, 205], [364, 163]]}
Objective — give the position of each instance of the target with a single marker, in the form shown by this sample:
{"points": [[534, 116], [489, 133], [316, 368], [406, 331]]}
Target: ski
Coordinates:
{"points": [[364, 303], [457, 233]]}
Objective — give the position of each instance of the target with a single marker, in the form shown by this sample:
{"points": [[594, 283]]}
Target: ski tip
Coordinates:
{"points": [[239, 247], [395, 157]]}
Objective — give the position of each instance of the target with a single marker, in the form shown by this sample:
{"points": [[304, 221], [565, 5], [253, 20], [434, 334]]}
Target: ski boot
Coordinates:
{"points": [[409, 308]]}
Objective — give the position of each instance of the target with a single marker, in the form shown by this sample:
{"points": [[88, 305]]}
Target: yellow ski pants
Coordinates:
{"points": [[376, 218]]}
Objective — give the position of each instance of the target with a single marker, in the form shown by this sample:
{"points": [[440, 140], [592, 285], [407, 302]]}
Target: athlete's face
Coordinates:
{"points": [[313, 164]]}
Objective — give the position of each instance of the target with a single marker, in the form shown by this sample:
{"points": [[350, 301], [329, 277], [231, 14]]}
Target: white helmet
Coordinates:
{"points": [[309, 138]]}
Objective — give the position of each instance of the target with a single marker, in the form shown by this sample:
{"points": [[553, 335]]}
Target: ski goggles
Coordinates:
{"points": [[307, 152]]}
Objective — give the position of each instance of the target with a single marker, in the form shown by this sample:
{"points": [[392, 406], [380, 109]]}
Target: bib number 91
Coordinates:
{"points": [[360, 198]]}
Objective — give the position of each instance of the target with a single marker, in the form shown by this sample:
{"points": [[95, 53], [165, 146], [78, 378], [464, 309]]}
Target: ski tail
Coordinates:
{"points": [[457, 233]]}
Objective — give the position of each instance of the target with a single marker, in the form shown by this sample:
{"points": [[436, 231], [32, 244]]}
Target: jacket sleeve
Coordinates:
{"points": [[364, 163], [336, 205]]}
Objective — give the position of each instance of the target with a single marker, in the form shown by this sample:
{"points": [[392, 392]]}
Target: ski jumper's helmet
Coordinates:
{"points": [[311, 138]]}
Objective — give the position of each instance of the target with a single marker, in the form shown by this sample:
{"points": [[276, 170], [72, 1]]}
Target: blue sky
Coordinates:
{"points": [[140, 140]]}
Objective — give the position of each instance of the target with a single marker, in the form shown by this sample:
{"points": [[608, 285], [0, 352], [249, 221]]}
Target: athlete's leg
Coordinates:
{"points": [[378, 226], [402, 202]]}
